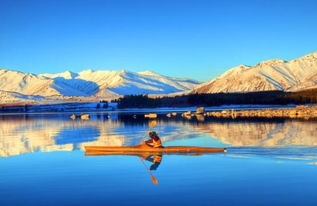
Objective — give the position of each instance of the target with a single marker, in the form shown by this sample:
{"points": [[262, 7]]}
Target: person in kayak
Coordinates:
{"points": [[155, 141]]}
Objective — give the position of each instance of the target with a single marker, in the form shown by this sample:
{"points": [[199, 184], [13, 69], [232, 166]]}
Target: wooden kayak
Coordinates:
{"points": [[143, 153], [145, 148]]}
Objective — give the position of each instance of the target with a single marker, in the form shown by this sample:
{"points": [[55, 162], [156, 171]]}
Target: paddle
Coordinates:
{"points": [[154, 180], [151, 125]]}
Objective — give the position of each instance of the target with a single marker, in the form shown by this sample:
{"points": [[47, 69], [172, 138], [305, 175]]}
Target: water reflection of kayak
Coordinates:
{"points": [[95, 150]]}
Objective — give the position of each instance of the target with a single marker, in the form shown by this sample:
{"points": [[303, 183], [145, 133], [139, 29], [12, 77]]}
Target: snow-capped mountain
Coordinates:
{"points": [[276, 74], [89, 83]]}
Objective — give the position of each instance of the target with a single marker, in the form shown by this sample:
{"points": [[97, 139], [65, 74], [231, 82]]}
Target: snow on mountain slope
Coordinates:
{"points": [[276, 74], [151, 83], [7, 97], [89, 83], [105, 83], [27, 84]]}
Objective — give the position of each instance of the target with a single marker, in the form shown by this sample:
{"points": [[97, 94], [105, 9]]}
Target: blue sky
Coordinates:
{"points": [[197, 39]]}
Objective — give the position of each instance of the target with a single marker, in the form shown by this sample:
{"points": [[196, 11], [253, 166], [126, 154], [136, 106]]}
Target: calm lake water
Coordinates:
{"points": [[269, 162]]}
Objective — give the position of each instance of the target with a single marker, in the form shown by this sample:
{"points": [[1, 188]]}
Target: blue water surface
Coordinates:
{"points": [[43, 162]]}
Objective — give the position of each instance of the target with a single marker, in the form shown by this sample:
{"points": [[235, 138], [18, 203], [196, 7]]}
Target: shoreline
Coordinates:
{"points": [[298, 112], [99, 107], [223, 111]]}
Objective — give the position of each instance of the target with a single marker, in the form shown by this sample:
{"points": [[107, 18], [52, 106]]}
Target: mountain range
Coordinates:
{"points": [[16, 85], [276, 74]]}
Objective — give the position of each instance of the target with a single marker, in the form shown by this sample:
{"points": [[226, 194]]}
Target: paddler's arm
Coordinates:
{"points": [[148, 141]]}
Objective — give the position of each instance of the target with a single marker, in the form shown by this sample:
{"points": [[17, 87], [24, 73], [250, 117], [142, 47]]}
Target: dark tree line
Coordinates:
{"points": [[138, 101], [217, 99], [308, 96]]}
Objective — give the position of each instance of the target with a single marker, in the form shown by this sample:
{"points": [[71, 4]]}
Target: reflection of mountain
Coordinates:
{"points": [[19, 136], [83, 134], [265, 134], [26, 135]]}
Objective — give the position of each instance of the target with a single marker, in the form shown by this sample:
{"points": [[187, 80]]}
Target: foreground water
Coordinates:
{"points": [[269, 162]]}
